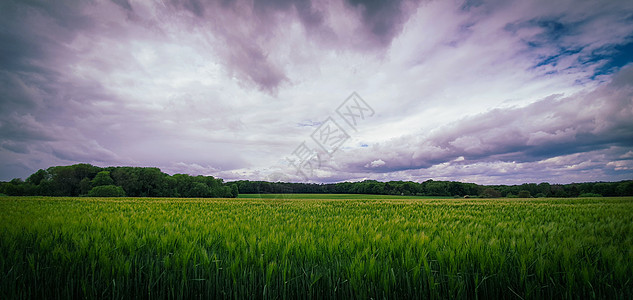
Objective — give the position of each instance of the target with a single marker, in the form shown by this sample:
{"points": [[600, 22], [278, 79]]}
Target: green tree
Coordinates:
{"points": [[558, 191], [524, 194], [544, 188], [152, 182], [234, 191], [625, 188], [490, 193], [378, 188], [226, 192], [127, 178], [65, 179], [37, 177], [456, 189], [107, 191], [102, 178], [606, 189], [84, 186], [184, 184], [200, 190], [436, 188], [15, 187]]}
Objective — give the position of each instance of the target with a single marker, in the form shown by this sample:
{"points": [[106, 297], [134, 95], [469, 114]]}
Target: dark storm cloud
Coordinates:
{"points": [[383, 19], [39, 103], [16, 147], [193, 6], [307, 14], [309, 17], [219, 86], [53, 109], [25, 46], [17, 95], [16, 127], [241, 29], [555, 126], [33, 42], [125, 4], [244, 27], [249, 60]]}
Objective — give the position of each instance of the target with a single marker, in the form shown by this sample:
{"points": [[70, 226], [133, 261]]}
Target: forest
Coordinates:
{"points": [[444, 188], [89, 180], [93, 181]]}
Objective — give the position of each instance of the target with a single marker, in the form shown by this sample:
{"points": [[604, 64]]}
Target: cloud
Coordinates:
{"points": [[479, 90], [375, 164], [14, 146], [17, 127], [88, 150], [383, 20], [627, 155], [552, 127], [249, 35]]}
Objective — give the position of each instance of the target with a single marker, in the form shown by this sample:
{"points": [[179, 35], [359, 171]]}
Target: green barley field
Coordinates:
{"points": [[357, 247], [334, 196]]}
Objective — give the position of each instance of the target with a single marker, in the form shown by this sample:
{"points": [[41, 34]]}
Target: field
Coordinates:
{"points": [[333, 196], [316, 248]]}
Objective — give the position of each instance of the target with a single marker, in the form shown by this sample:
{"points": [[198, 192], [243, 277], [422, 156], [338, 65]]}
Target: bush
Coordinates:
{"points": [[589, 195], [106, 191]]}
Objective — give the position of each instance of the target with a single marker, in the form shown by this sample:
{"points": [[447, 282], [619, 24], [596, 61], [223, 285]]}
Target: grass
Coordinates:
{"points": [[323, 248], [335, 196]]}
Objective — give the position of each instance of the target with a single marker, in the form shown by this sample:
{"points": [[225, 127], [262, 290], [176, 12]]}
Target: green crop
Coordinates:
{"points": [[335, 196], [318, 248]]}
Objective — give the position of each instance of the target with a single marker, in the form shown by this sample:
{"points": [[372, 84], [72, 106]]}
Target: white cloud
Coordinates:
{"points": [[627, 155], [375, 164], [458, 94]]}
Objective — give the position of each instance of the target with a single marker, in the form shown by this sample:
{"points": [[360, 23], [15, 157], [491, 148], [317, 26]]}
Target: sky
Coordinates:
{"points": [[490, 92]]}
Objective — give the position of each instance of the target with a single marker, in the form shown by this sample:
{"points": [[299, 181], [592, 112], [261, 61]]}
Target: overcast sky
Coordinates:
{"points": [[491, 92]]}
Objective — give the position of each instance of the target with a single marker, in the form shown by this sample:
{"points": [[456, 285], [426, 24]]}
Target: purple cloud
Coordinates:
{"points": [[550, 128], [475, 91]]}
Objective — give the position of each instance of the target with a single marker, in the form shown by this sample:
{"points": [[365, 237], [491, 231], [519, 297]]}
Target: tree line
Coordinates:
{"points": [[89, 180], [443, 188]]}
